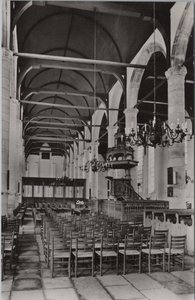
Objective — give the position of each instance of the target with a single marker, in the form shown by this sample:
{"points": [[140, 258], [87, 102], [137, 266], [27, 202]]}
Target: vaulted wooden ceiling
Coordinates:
{"points": [[72, 53]]}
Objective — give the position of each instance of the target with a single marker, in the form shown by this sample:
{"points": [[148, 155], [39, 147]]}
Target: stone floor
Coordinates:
{"points": [[32, 279]]}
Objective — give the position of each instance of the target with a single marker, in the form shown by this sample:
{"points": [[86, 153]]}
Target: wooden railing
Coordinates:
{"points": [[127, 210]]}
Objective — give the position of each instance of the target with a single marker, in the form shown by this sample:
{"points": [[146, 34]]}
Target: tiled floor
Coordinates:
{"points": [[32, 279]]}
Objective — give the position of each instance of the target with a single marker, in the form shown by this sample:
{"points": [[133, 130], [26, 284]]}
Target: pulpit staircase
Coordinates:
{"points": [[122, 190]]}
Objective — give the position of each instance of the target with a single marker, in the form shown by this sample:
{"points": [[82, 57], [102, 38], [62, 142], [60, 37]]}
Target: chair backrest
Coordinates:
{"points": [[9, 239], [157, 241], [85, 244], [2, 245], [67, 244], [163, 231], [146, 229], [12, 225], [3, 222], [109, 243], [133, 242], [178, 242]]}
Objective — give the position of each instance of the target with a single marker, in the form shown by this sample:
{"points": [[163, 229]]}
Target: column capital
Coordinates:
{"points": [[14, 100], [95, 143], [111, 127], [176, 71], [131, 110], [6, 52]]}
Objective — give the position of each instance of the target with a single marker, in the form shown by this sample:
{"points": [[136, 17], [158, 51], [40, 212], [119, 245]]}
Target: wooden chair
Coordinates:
{"points": [[2, 256], [146, 234], [131, 252], [108, 252], [60, 256], [175, 252], [9, 248], [47, 242], [155, 254], [84, 254], [3, 223], [13, 225]]}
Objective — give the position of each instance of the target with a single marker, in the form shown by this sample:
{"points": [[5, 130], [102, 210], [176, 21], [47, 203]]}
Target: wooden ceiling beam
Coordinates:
{"points": [[32, 91], [63, 124], [85, 61], [76, 128], [56, 139], [66, 106]]}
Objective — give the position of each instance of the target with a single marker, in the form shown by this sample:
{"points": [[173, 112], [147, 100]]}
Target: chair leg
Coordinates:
{"points": [[52, 266], [92, 266], [182, 262], [69, 267], [47, 251], [117, 264], [140, 263], [149, 263], [169, 262], [100, 265], [124, 264], [163, 262], [2, 270], [76, 264]]}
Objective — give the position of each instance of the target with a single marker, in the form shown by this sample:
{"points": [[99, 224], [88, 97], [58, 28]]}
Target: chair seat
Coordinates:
{"points": [[130, 252], [83, 254], [121, 245], [9, 248], [174, 251], [61, 254], [153, 251], [97, 245], [106, 253]]}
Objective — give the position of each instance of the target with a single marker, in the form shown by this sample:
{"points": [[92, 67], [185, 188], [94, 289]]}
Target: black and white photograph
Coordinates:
{"points": [[97, 150]]}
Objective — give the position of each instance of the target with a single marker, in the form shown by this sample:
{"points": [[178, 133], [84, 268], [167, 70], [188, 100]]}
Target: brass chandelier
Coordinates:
{"points": [[95, 165]]}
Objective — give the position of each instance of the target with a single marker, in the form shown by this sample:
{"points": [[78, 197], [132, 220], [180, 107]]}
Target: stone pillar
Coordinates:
{"points": [[13, 155], [94, 175], [131, 123], [130, 119], [176, 113], [145, 176], [111, 132], [111, 143], [85, 175], [6, 66]]}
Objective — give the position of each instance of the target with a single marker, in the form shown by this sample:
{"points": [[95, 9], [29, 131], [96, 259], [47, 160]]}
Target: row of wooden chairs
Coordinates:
{"points": [[9, 245], [62, 242]]}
